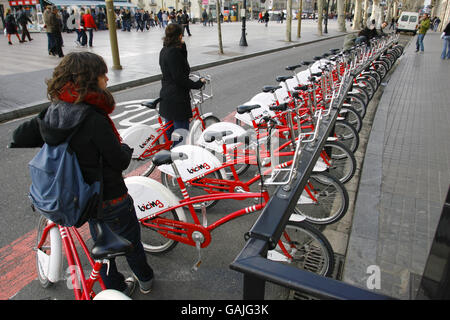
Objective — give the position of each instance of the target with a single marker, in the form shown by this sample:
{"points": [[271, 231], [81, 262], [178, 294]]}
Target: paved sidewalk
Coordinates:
{"points": [[24, 67], [405, 175]]}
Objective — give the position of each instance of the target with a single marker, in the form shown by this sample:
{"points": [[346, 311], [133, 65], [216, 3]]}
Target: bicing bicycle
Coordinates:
{"points": [[164, 223], [54, 242]]}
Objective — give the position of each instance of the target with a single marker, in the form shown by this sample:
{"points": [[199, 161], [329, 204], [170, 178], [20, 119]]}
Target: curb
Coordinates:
{"points": [[35, 107]]}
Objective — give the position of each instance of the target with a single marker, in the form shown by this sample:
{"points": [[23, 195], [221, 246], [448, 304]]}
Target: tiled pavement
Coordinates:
{"points": [[405, 175]]}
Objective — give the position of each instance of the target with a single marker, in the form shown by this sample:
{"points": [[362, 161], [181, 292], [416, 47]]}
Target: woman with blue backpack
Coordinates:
{"points": [[79, 113]]}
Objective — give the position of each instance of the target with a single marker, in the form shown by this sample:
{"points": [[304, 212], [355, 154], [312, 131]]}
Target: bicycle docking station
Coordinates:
{"points": [[266, 231]]}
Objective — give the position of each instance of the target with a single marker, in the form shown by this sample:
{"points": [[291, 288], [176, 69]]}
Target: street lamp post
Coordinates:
{"points": [[243, 42]]}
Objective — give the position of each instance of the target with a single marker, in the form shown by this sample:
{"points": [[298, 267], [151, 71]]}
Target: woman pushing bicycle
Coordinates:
{"points": [[81, 102], [175, 102]]}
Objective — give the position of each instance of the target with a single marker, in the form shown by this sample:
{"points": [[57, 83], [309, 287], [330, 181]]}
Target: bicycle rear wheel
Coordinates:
{"points": [[152, 240], [324, 199], [304, 247], [48, 255]]}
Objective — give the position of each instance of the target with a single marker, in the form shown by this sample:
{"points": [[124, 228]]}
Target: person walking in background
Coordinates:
{"points": [[266, 18], [49, 29], [23, 19], [175, 102], [80, 101], [11, 25], [210, 18], [423, 26], [89, 25], [56, 31], [446, 37], [81, 32], [185, 22]]}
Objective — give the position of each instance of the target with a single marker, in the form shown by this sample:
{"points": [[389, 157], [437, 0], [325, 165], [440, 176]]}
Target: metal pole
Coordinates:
{"points": [[243, 42], [326, 18], [112, 34]]}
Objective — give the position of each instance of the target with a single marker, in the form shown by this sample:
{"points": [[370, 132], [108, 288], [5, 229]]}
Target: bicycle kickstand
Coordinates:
{"points": [[198, 238]]}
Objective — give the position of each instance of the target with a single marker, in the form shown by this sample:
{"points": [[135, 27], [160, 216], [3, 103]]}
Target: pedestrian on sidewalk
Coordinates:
{"points": [[23, 19], [90, 26], [185, 22], [81, 31], [55, 22], [266, 18], [423, 26], [175, 102], [11, 25], [446, 37], [48, 29], [210, 18], [80, 101]]}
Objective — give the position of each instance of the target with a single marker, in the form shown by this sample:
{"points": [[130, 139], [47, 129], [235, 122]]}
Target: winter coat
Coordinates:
{"points": [[11, 25], [95, 137], [89, 22], [175, 84]]}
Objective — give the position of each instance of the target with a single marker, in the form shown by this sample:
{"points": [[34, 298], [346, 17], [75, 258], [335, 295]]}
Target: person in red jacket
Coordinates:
{"points": [[89, 25]]}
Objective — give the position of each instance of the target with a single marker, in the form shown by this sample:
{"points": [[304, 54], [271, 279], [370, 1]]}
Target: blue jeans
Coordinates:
{"points": [[178, 124], [121, 218], [419, 42], [446, 50], [91, 36]]}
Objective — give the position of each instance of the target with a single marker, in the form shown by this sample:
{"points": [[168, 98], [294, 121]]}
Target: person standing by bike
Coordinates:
{"points": [[80, 101], [175, 102]]}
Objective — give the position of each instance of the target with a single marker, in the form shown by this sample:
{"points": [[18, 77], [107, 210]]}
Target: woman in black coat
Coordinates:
{"points": [[175, 102]]}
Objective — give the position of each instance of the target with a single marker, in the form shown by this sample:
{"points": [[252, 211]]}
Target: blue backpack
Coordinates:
{"points": [[58, 190]]}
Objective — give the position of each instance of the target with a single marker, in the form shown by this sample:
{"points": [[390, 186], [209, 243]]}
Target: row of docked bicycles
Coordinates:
{"points": [[214, 162]]}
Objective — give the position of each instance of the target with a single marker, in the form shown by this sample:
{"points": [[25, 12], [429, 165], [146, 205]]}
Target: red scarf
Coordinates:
{"points": [[69, 94]]}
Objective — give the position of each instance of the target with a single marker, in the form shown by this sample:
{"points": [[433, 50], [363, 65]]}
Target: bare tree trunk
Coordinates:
{"points": [[299, 21], [341, 15], [219, 28], [366, 13], [319, 16], [288, 20], [357, 17]]}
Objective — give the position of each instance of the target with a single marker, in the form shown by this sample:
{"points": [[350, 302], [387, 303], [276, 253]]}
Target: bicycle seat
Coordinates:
{"points": [[334, 51], [167, 157], [151, 104], [316, 74], [247, 108], [270, 88], [317, 58], [109, 244], [281, 107], [306, 63], [283, 78], [301, 88], [291, 68], [213, 135]]}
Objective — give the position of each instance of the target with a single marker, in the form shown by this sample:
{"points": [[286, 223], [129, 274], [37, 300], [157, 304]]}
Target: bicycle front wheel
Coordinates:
{"points": [[347, 135], [324, 199], [304, 247], [48, 254], [197, 128], [341, 162]]}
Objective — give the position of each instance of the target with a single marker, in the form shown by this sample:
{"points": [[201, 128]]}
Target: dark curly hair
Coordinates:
{"points": [[82, 69], [172, 38]]}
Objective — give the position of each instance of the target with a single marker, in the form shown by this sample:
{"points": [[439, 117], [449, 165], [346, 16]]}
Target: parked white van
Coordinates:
{"points": [[408, 22]]}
